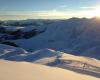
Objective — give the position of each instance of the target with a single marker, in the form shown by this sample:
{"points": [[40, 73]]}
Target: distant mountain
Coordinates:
{"points": [[78, 36], [75, 36]]}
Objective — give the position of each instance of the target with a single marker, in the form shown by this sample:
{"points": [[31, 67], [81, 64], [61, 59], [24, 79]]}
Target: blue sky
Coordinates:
{"points": [[47, 8]]}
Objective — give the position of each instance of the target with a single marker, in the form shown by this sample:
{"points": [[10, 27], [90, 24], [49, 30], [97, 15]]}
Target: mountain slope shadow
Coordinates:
{"points": [[84, 69]]}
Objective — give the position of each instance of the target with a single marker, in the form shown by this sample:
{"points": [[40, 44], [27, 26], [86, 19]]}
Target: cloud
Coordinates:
{"points": [[50, 14], [63, 6], [54, 14], [90, 7], [87, 7]]}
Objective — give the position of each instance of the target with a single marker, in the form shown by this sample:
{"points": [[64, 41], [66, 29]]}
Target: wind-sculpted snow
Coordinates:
{"points": [[10, 51]]}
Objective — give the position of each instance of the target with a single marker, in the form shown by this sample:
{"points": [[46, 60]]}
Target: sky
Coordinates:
{"points": [[48, 9]]}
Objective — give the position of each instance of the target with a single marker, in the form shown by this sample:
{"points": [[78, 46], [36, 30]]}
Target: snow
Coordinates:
{"points": [[6, 48], [27, 29], [56, 59], [43, 56], [37, 56], [7, 51], [63, 60], [52, 58], [29, 71], [76, 36], [13, 28], [70, 46]]}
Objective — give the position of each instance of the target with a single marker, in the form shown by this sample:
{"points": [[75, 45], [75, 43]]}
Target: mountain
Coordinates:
{"points": [[50, 49], [29, 71], [78, 36], [75, 36]]}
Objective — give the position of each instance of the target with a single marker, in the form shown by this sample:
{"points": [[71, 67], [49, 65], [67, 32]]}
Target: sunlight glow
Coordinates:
{"points": [[95, 12]]}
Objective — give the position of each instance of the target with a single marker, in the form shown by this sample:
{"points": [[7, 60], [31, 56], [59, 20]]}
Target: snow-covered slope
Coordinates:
{"points": [[27, 71], [7, 51], [44, 56], [64, 60], [56, 58], [52, 58]]}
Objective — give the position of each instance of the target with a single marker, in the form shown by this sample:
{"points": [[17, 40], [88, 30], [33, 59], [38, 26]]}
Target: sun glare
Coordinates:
{"points": [[95, 12]]}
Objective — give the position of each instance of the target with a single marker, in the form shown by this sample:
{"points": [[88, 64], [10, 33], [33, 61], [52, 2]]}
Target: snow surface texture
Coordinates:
{"points": [[28, 71], [53, 58]]}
